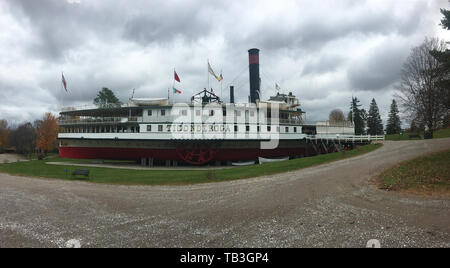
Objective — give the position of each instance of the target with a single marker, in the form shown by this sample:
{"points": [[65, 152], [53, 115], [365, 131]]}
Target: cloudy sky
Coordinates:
{"points": [[322, 51]]}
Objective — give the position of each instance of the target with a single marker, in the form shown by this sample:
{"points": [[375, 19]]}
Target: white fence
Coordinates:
{"points": [[346, 138]]}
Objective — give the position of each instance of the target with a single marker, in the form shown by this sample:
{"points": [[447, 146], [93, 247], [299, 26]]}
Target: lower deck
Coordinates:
{"points": [[197, 152]]}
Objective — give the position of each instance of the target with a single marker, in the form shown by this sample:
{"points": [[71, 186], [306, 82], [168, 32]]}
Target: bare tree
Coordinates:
{"points": [[336, 116], [24, 138], [419, 91]]}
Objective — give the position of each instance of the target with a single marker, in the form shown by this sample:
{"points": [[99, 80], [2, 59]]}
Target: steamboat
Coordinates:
{"points": [[154, 131]]}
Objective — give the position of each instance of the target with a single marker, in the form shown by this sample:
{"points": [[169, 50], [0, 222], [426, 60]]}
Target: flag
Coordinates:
{"points": [[176, 91], [176, 76], [210, 70], [220, 77], [63, 80], [277, 87]]}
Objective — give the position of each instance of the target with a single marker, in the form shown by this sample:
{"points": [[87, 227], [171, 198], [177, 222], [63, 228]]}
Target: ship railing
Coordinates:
{"points": [[93, 106], [346, 138], [102, 120], [290, 121]]}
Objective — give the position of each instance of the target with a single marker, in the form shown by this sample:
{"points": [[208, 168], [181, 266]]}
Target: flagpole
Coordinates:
{"points": [[207, 73], [221, 84], [62, 93], [173, 85]]}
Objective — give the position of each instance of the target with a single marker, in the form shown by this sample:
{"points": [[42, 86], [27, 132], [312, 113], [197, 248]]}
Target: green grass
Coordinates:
{"points": [[428, 174], [38, 168], [438, 134]]}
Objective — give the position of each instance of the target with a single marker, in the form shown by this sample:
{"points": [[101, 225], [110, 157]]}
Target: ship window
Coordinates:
{"points": [[149, 112], [295, 129], [278, 129], [238, 113], [287, 129], [211, 112], [149, 128], [197, 112], [252, 113], [160, 128], [258, 128], [268, 128], [236, 129], [163, 112], [224, 112], [247, 128], [184, 112]]}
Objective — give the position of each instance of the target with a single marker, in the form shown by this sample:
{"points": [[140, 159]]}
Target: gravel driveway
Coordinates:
{"points": [[332, 205]]}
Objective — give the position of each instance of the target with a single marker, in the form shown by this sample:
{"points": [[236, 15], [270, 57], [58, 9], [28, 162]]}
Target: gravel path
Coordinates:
{"points": [[332, 205]]}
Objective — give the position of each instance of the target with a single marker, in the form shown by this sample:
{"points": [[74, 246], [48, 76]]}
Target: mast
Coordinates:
{"points": [[207, 72]]}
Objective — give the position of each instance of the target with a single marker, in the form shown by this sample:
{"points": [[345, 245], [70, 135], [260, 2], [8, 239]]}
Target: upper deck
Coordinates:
{"points": [[132, 113]]}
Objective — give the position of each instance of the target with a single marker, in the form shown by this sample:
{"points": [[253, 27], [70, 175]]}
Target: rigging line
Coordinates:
{"points": [[270, 78], [240, 73], [240, 85], [266, 84]]}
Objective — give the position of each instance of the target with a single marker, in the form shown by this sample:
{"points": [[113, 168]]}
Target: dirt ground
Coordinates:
{"points": [[331, 205]]}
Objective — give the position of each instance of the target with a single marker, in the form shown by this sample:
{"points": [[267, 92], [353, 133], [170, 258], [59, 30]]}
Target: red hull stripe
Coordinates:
{"points": [[171, 154]]}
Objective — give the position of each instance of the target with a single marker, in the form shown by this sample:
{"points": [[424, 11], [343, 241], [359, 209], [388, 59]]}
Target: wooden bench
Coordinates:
{"points": [[84, 172], [414, 136], [97, 161]]}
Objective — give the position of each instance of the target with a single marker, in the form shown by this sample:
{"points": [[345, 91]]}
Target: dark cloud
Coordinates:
{"points": [[57, 26], [163, 24], [321, 51], [379, 69], [314, 30], [322, 64]]}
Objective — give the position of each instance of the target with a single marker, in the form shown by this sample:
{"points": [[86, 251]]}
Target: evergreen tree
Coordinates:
{"points": [[357, 116], [364, 117], [445, 22], [106, 98], [374, 123], [393, 125]]}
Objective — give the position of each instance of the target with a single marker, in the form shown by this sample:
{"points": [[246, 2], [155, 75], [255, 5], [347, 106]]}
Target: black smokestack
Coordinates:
{"points": [[253, 60], [231, 94]]}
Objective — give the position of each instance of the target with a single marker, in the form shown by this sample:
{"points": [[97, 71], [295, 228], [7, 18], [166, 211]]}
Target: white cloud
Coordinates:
{"points": [[321, 51]]}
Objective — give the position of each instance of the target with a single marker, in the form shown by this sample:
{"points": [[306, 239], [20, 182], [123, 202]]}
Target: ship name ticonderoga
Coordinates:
{"points": [[198, 128]]}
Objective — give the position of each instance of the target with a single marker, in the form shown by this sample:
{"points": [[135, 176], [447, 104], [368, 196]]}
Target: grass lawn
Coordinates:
{"points": [[441, 133], [38, 168], [427, 175]]}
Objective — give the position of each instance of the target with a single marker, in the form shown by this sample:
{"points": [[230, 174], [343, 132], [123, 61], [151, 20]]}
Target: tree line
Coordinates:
{"points": [[368, 123], [41, 135], [27, 138]]}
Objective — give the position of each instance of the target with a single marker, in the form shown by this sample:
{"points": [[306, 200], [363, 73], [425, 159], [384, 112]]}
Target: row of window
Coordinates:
{"points": [[102, 129], [198, 112], [236, 128], [160, 128]]}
